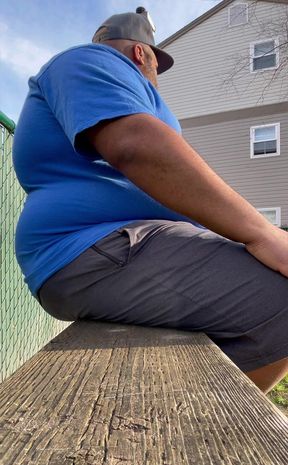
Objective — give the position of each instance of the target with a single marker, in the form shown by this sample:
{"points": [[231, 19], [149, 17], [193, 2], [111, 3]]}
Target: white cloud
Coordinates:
{"points": [[21, 55]]}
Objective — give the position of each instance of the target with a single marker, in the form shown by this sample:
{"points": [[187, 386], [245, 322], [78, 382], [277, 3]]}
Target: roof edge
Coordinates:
{"points": [[194, 23], [203, 18]]}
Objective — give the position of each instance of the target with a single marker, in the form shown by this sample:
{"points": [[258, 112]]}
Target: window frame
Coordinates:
{"points": [[229, 15], [252, 141], [277, 216], [252, 46]]}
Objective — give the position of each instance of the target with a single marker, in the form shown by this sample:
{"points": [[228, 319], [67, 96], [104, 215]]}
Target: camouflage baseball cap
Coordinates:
{"points": [[134, 26]]}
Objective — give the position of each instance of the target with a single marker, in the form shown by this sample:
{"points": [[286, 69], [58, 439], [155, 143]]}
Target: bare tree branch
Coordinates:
{"points": [[242, 62]]}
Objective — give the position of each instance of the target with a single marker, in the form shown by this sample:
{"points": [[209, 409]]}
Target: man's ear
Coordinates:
{"points": [[139, 54]]}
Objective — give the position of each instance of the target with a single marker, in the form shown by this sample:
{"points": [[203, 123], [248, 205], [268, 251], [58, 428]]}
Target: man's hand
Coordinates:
{"points": [[271, 248], [161, 163]]}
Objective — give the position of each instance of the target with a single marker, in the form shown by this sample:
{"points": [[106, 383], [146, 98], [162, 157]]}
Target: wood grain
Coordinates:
{"points": [[111, 394]]}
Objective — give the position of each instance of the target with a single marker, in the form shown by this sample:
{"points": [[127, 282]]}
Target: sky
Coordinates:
{"points": [[32, 31]]}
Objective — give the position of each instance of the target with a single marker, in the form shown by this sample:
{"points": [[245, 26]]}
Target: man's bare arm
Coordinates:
{"points": [[159, 161]]}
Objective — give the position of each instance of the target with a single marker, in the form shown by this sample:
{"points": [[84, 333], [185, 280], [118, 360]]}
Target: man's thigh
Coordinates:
{"points": [[173, 274]]}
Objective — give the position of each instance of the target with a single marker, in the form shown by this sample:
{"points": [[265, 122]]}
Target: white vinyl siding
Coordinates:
{"points": [[265, 140], [224, 146], [238, 14], [207, 57], [264, 55], [272, 214]]}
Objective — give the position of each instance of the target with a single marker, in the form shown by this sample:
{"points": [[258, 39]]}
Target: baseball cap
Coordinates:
{"points": [[134, 26]]}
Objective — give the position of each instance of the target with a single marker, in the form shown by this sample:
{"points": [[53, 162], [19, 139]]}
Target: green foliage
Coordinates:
{"points": [[279, 394], [281, 401]]}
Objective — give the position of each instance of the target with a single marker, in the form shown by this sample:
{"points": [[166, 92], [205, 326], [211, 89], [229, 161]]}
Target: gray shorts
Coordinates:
{"points": [[173, 274]]}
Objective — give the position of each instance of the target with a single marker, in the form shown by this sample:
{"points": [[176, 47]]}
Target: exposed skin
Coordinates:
{"points": [[141, 54], [174, 174], [266, 377], [149, 68]]}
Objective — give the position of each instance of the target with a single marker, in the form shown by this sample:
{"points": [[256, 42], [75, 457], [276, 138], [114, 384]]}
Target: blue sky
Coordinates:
{"points": [[32, 31]]}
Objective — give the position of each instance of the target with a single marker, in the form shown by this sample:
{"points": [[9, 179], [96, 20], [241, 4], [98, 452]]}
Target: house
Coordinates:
{"points": [[229, 89]]}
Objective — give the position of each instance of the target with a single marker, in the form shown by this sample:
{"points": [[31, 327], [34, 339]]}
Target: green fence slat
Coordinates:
{"points": [[7, 123]]}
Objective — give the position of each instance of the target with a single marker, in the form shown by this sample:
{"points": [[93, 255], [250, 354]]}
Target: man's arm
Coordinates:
{"points": [[159, 161]]}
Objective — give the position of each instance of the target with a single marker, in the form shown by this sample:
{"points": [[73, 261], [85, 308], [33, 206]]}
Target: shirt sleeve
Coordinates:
{"points": [[86, 85]]}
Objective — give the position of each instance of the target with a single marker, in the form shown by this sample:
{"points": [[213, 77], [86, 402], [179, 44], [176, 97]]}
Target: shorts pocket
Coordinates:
{"points": [[124, 245], [115, 247]]}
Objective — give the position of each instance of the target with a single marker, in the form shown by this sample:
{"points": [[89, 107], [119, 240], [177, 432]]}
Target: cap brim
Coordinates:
{"points": [[165, 61]]}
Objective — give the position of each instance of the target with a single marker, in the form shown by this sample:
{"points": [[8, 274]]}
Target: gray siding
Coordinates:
{"points": [[206, 55], [226, 148]]}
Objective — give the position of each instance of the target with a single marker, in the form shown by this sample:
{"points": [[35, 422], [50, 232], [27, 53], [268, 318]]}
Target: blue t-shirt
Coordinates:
{"points": [[74, 200]]}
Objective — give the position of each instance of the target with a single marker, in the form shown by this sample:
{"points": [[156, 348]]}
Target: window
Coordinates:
{"points": [[265, 140], [264, 55], [238, 14], [272, 214]]}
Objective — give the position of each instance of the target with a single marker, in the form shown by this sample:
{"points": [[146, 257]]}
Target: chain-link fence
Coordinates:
{"points": [[24, 326]]}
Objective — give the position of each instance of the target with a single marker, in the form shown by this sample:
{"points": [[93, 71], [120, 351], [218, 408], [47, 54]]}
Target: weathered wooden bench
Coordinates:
{"points": [[110, 394]]}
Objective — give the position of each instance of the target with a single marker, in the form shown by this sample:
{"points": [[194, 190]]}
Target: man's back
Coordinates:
{"points": [[75, 198]]}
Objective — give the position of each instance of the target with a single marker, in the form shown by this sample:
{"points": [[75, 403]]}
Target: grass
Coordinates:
{"points": [[279, 395]]}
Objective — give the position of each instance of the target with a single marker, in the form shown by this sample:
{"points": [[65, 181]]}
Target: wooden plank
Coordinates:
{"points": [[110, 394]]}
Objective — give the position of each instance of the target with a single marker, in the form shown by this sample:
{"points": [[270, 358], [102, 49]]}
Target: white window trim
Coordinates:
{"points": [[229, 17], [265, 155], [277, 211], [252, 44]]}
